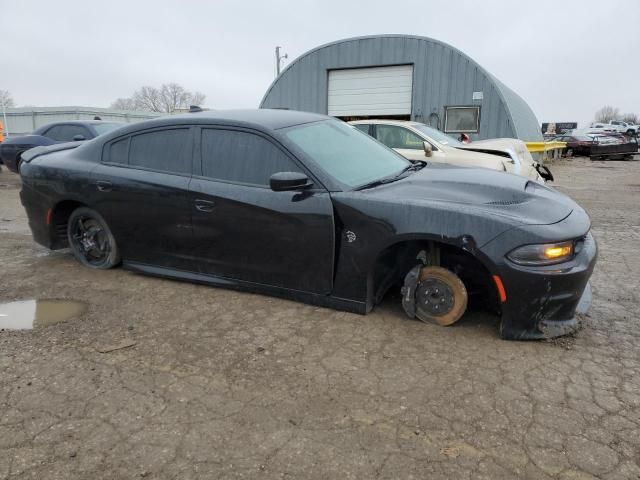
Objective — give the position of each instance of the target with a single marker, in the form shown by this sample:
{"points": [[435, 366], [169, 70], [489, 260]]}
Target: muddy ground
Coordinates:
{"points": [[221, 384]]}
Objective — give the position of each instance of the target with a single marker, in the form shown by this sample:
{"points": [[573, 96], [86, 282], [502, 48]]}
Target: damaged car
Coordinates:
{"points": [[306, 207], [417, 141]]}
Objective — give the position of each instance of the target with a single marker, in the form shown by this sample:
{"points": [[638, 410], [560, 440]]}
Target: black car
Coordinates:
{"points": [[12, 148], [307, 207]]}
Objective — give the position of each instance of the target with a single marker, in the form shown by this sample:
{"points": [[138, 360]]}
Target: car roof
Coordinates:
{"points": [[383, 121], [266, 118]]}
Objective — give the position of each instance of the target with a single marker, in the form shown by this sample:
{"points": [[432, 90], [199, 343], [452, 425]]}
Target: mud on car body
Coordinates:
{"points": [[306, 207]]}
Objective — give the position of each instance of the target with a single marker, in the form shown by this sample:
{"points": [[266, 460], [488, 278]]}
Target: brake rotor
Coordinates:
{"points": [[440, 296]]}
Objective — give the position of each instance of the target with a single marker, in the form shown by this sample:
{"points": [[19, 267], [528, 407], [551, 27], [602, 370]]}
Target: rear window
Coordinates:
{"points": [[165, 150], [119, 152]]}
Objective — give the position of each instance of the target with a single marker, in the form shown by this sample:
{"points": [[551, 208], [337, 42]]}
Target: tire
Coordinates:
{"points": [[569, 153], [440, 289], [91, 240]]}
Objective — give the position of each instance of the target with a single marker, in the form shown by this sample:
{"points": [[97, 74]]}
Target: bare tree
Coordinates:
{"points": [[166, 99], [632, 118], [123, 104], [607, 113], [6, 100]]}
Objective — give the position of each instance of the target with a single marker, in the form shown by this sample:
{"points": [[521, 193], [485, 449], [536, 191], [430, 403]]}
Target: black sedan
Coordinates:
{"points": [[12, 148], [307, 207]]}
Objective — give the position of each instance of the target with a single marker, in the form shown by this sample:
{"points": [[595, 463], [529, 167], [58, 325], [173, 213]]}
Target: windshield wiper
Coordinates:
{"points": [[412, 167]]}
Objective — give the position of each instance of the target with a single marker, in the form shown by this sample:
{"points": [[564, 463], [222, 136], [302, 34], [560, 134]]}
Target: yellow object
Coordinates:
{"points": [[558, 251], [542, 147]]}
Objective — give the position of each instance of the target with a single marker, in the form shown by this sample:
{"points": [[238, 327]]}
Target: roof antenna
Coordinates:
{"points": [[194, 109]]}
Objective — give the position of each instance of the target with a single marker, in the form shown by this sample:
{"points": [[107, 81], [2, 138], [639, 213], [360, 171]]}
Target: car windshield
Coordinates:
{"points": [[438, 136], [348, 155], [102, 128]]}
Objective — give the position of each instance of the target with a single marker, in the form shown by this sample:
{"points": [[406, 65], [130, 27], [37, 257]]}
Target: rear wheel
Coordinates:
{"points": [[441, 297], [91, 240]]}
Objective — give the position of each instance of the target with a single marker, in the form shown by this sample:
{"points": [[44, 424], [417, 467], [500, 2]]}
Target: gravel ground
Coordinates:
{"points": [[221, 384]]}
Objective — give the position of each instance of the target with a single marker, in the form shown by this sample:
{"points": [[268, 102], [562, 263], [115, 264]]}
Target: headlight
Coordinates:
{"points": [[543, 254]]}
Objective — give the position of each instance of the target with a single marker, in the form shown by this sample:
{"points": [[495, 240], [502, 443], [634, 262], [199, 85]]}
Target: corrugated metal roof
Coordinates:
{"points": [[443, 75]]}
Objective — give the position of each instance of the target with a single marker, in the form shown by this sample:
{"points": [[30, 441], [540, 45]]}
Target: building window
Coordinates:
{"points": [[462, 119]]}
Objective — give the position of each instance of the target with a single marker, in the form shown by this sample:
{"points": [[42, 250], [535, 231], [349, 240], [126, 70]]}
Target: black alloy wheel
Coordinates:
{"points": [[91, 240]]}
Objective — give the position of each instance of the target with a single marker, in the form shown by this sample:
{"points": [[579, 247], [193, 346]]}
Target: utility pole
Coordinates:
{"points": [[279, 60]]}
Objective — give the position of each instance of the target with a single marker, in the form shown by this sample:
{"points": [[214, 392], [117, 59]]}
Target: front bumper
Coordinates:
{"points": [[542, 301]]}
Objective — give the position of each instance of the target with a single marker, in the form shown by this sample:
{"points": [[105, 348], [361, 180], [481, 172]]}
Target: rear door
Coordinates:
{"points": [[142, 191], [243, 230]]}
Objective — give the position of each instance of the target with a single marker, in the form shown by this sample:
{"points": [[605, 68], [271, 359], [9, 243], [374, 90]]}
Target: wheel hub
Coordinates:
{"points": [[435, 297]]}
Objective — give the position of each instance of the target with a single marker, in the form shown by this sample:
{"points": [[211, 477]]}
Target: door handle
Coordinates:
{"points": [[204, 206], [104, 186]]}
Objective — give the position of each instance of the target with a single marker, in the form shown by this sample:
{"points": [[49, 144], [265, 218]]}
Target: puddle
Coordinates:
{"points": [[28, 314]]}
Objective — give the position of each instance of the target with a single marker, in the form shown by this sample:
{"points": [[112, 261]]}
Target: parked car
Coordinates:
{"points": [[415, 140], [599, 145], [12, 148], [577, 145], [626, 128], [306, 207], [615, 126]]}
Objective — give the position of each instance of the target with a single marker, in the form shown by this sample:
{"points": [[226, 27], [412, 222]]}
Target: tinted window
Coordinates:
{"points": [[344, 153], [65, 133], [119, 151], [242, 157], [165, 150], [398, 137]]}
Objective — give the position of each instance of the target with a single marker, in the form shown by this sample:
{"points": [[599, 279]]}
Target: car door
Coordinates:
{"points": [[402, 140], [141, 188], [245, 231]]}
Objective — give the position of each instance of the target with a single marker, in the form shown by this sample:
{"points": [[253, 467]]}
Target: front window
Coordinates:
{"points": [[349, 156], [438, 136]]}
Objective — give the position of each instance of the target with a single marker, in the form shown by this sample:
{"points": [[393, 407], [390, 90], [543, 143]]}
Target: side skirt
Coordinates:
{"points": [[328, 301]]}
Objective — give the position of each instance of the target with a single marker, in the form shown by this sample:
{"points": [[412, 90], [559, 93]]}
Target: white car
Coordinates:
{"points": [[415, 140]]}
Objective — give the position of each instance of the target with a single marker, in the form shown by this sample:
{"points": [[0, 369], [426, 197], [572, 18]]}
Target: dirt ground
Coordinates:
{"points": [[221, 384]]}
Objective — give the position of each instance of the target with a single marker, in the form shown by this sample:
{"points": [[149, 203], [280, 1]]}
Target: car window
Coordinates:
{"points": [[398, 137], [344, 153], [65, 133], [242, 157], [363, 127], [164, 150], [119, 152], [438, 136]]}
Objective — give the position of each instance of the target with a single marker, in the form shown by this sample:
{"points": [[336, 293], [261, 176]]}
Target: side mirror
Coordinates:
{"points": [[428, 149], [286, 181], [79, 138]]}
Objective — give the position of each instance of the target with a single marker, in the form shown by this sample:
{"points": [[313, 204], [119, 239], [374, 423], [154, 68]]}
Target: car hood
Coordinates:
{"points": [[495, 193]]}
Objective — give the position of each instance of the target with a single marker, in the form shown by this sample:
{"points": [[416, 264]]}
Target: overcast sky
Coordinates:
{"points": [[566, 59]]}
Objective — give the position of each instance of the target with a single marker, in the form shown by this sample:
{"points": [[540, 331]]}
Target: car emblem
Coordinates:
{"points": [[351, 237]]}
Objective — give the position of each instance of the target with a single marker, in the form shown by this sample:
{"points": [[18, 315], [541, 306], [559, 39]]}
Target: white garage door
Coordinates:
{"points": [[370, 91]]}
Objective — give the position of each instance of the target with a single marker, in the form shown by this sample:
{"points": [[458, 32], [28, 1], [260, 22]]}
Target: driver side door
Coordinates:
{"points": [[245, 231]]}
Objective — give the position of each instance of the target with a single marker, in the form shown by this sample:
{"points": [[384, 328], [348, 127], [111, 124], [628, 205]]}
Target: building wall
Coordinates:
{"points": [[22, 121], [442, 76]]}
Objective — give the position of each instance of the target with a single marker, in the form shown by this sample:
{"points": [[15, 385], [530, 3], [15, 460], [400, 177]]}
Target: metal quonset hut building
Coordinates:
{"points": [[403, 77]]}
